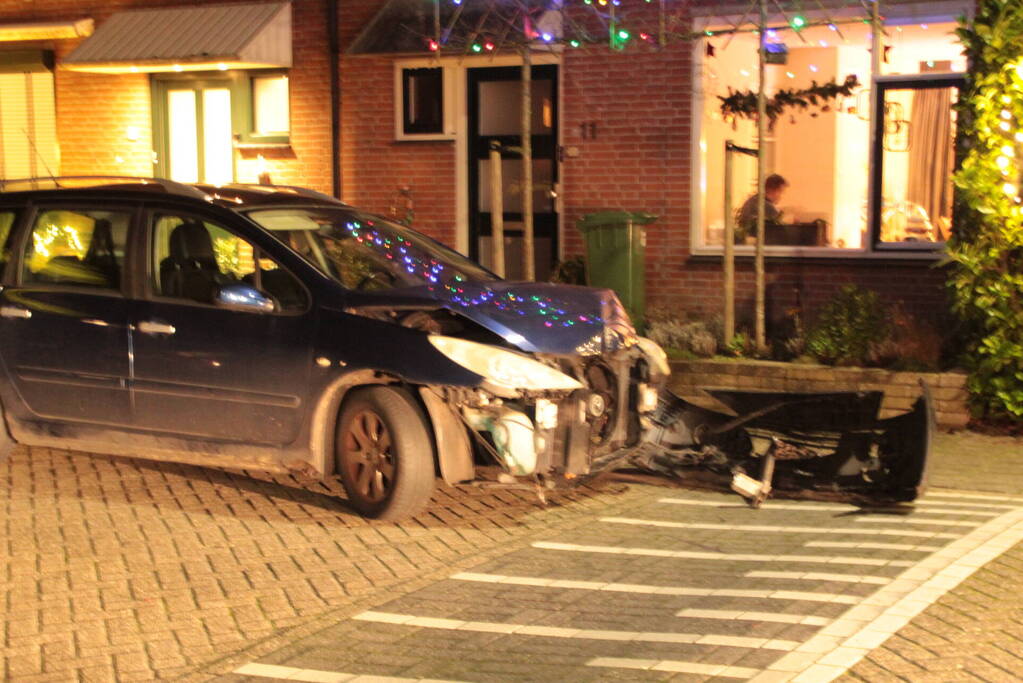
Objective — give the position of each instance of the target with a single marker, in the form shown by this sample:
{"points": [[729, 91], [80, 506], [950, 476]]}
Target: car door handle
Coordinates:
{"points": [[155, 327], [15, 312]]}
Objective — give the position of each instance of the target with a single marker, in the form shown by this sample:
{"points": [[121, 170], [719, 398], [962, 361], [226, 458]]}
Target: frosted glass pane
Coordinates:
{"points": [[216, 127], [501, 107], [183, 134], [270, 99]]}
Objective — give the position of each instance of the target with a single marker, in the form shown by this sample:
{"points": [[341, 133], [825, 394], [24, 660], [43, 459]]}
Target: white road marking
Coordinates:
{"points": [[764, 528], [819, 576], [845, 641], [699, 668], [290, 673], [872, 546], [974, 496], [888, 519], [738, 615], [660, 590], [841, 507], [578, 633], [739, 557]]}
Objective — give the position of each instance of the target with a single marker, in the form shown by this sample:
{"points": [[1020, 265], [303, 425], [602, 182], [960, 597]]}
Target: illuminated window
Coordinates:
{"points": [[824, 153], [270, 109], [77, 248]]}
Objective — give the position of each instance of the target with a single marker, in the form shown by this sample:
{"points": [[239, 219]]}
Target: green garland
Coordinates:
{"points": [[986, 248], [743, 103]]}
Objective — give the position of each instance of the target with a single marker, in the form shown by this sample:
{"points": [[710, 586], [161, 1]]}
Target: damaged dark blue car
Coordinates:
{"points": [[276, 328]]}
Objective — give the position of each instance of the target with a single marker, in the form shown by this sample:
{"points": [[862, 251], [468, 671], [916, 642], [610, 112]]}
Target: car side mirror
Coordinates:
{"points": [[242, 297]]}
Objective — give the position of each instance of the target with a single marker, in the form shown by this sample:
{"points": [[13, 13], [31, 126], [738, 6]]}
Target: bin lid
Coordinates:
{"points": [[614, 217]]}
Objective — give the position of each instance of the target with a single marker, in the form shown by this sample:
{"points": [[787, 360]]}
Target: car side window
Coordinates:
{"points": [[6, 223], [78, 247], [193, 259]]}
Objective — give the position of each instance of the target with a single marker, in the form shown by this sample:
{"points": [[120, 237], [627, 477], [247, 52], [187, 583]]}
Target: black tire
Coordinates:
{"points": [[383, 453], [7, 443]]}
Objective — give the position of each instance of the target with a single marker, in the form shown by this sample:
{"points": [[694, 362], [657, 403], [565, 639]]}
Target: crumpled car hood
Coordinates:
{"points": [[536, 317]]}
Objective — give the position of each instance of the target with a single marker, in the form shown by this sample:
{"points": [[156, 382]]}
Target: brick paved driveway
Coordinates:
{"points": [[119, 568]]}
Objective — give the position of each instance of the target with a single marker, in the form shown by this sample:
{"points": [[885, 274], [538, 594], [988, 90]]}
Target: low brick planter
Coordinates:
{"points": [[901, 389]]}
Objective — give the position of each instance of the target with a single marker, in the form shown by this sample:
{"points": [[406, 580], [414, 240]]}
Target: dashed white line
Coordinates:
{"points": [[806, 596], [819, 576], [738, 557], [290, 673], [578, 633], [764, 528], [887, 519], [738, 615], [873, 546], [699, 668]]}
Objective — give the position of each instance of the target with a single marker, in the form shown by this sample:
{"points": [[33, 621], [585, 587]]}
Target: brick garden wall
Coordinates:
{"points": [[901, 389]]}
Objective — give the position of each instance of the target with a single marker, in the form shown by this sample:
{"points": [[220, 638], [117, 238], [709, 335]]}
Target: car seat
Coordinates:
{"points": [[191, 271]]}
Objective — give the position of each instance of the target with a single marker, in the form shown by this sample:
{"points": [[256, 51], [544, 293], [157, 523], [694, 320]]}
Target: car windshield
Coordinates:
{"points": [[366, 252]]}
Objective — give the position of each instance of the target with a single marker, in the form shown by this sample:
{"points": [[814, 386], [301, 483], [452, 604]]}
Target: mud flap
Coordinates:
{"points": [[823, 446]]}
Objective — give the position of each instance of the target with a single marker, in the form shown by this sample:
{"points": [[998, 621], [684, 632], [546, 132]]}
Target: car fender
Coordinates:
{"points": [[454, 452]]}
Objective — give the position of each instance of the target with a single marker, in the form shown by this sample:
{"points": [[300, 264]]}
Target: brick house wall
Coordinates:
{"points": [[640, 158], [95, 111]]}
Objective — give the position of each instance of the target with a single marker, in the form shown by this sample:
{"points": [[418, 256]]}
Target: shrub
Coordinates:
{"points": [[986, 247], [689, 337], [850, 325]]}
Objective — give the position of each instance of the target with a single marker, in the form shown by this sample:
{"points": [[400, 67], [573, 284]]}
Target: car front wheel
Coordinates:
{"points": [[384, 454]]}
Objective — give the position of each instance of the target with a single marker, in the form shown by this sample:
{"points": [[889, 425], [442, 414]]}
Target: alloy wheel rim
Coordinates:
{"points": [[369, 456]]}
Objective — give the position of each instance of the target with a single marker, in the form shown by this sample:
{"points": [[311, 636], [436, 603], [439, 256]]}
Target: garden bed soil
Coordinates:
{"points": [[901, 389]]}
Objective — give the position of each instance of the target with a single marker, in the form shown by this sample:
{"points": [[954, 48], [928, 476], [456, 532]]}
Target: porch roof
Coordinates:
{"points": [[239, 36]]}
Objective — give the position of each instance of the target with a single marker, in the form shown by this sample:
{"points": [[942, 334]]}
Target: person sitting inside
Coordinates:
{"points": [[746, 217]]}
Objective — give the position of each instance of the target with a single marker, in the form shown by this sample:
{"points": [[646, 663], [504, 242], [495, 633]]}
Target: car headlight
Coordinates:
{"points": [[503, 370], [655, 355]]}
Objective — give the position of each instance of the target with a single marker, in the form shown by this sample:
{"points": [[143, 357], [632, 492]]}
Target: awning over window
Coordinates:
{"points": [[241, 36]]}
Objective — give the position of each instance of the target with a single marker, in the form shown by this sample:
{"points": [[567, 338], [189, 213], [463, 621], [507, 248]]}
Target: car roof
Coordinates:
{"points": [[233, 196]]}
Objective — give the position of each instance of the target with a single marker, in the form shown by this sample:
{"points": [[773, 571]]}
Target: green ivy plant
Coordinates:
{"points": [[743, 103], [986, 248]]}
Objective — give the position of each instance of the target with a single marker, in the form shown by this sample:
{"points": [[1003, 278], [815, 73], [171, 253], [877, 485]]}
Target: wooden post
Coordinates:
{"points": [[729, 250], [758, 260], [496, 210], [528, 260]]}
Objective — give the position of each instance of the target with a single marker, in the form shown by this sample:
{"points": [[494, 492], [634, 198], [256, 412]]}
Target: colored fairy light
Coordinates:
{"points": [[1009, 189], [823, 43], [798, 22], [476, 47], [813, 68], [1006, 114], [574, 42], [547, 37], [1008, 151], [790, 74], [1004, 125], [488, 46], [433, 45], [832, 27], [711, 33]]}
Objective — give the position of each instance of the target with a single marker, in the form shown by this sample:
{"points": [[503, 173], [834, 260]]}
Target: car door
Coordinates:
{"points": [[205, 370], [64, 314]]}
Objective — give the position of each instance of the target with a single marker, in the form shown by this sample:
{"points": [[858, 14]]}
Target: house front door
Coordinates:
{"points": [[495, 115], [194, 136]]}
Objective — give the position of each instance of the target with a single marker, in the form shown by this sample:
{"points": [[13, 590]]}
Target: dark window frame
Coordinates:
{"points": [[408, 128], [876, 186]]}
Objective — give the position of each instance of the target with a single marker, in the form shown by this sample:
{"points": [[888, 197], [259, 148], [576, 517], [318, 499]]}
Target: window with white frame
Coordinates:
{"points": [[423, 96], [824, 153]]}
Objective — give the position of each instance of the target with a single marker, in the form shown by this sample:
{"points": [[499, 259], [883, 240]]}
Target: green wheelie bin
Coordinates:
{"points": [[615, 256]]}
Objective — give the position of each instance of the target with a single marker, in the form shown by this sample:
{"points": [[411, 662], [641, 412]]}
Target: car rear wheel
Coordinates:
{"points": [[384, 454]]}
